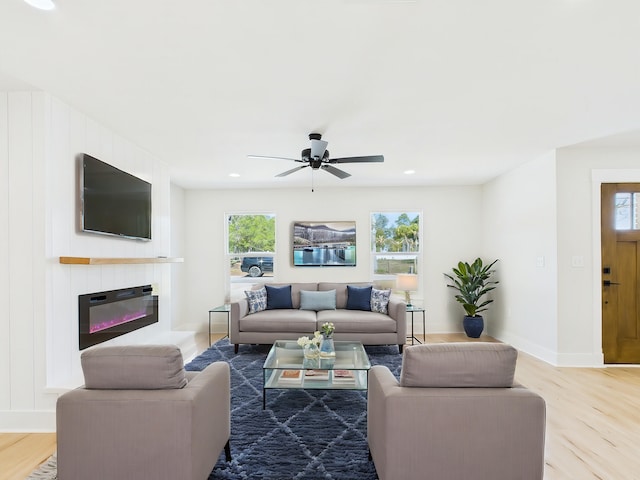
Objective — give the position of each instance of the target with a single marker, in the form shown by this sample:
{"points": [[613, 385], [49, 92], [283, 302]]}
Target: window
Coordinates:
{"points": [[395, 245], [251, 248], [626, 212]]}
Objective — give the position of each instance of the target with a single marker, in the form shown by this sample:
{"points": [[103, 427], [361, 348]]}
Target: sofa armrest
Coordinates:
{"points": [[397, 309], [239, 309]]}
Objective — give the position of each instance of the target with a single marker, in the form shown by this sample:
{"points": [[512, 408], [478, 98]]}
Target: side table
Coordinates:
{"points": [[414, 309], [226, 308]]}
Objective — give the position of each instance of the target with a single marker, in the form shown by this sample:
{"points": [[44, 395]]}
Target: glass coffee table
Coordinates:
{"points": [[287, 368]]}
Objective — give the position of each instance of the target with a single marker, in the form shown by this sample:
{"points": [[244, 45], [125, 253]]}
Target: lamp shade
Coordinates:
{"points": [[407, 282]]}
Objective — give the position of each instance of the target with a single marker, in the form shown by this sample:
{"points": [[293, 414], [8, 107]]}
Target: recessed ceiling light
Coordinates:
{"points": [[234, 175], [409, 172], [42, 4]]}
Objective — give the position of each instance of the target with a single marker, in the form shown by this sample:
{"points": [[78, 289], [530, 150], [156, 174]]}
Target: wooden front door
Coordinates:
{"points": [[621, 272]]}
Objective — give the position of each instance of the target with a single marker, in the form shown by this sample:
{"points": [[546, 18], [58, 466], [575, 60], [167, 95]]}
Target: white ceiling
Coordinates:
{"points": [[458, 90]]}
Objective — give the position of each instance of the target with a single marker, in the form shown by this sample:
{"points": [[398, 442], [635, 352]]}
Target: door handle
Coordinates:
{"points": [[608, 283]]}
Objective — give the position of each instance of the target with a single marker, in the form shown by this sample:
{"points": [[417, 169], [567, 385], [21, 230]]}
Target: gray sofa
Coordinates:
{"points": [[455, 414], [368, 327], [141, 416]]}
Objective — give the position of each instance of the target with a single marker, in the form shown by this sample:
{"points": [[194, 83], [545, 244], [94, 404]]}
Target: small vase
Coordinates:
{"points": [[311, 351], [327, 349]]}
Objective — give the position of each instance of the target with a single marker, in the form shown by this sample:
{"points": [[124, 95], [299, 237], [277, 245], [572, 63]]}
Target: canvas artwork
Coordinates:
{"points": [[324, 243]]}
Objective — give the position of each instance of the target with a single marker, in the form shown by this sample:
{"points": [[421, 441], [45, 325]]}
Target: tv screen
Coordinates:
{"points": [[324, 244], [114, 202]]}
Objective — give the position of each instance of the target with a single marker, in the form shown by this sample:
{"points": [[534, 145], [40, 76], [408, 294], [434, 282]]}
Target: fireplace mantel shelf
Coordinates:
{"points": [[117, 261]]}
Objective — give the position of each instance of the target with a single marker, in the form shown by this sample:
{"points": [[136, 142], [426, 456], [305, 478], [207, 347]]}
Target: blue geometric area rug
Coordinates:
{"points": [[302, 434]]}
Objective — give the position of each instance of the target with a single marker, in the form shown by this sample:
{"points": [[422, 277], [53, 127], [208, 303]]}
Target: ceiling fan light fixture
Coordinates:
{"points": [[42, 4]]}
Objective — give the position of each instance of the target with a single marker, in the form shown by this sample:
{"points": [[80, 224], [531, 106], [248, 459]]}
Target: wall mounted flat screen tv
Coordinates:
{"points": [[320, 244], [114, 202]]}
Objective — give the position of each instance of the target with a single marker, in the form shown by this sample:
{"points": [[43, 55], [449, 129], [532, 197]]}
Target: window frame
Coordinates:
{"points": [[388, 280], [245, 282]]}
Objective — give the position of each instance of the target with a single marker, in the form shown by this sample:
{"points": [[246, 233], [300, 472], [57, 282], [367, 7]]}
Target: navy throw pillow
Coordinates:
{"points": [[278, 297], [359, 298]]}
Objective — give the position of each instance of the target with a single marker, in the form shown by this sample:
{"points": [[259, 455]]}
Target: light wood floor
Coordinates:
{"points": [[593, 422]]}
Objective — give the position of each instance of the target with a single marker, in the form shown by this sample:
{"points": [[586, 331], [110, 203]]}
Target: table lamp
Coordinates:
{"points": [[408, 282]]}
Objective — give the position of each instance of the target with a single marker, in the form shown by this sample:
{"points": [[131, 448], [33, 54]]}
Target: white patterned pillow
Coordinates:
{"points": [[257, 300], [380, 300]]}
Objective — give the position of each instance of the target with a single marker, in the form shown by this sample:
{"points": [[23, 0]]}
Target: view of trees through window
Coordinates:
{"points": [[395, 242], [252, 233]]}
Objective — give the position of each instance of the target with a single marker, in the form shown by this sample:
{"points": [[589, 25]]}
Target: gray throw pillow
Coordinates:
{"points": [[310, 300]]}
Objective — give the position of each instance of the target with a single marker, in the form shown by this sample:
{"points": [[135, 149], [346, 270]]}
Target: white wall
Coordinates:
{"points": [[452, 222], [579, 287], [178, 279], [519, 216], [40, 138]]}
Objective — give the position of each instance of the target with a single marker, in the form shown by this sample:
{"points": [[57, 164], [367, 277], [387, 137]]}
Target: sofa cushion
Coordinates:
{"points": [[133, 367], [278, 297], [380, 300], [358, 298], [257, 299], [467, 364], [357, 321], [317, 300], [285, 320]]}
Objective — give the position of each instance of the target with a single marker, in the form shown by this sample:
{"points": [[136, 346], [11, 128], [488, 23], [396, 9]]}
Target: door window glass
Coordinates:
{"points": [[626, 211]]}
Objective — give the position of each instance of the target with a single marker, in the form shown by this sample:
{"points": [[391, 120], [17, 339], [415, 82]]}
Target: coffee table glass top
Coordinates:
{"points": [[347, 370]]}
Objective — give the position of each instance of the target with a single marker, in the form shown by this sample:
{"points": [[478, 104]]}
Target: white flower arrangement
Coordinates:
{"points": [[304, 341], [327, 328]]}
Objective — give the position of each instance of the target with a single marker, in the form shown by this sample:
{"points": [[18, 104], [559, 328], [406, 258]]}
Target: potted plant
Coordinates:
{"points": [[472, 282]]}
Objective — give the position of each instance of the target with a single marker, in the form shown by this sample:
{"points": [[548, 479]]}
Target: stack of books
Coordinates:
{"points": [[344, 377], [291, 377], [314, 375]]}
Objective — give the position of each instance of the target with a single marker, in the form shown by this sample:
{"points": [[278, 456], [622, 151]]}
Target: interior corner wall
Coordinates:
{"points": [[40, 138], [449, 215], [579, 279], [520, 230], [178, 280]]}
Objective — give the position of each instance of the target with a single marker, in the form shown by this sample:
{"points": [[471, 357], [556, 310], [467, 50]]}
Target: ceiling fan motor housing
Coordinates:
{"points": [[306, 156]]}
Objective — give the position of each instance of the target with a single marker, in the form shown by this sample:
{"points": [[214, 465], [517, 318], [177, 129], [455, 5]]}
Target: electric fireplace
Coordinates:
{"points": [[106, 315]]}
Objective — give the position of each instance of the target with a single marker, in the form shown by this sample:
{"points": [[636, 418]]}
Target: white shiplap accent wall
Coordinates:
{"points": [[40, 140]]}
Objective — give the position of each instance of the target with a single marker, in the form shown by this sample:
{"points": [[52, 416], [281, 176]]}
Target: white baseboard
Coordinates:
{"points": [[32, 421]]}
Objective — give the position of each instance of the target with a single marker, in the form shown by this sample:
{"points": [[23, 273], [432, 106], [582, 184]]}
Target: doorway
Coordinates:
{"points": [[620, 253]]}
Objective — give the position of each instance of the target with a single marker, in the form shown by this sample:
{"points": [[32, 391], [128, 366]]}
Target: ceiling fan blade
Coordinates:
{"points": [[336, 171], [288, 172], [367, 159], [274, 158], [318, 148]]}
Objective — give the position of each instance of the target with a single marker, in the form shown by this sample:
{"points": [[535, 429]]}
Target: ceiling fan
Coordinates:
{"points": [[317, 157]]}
